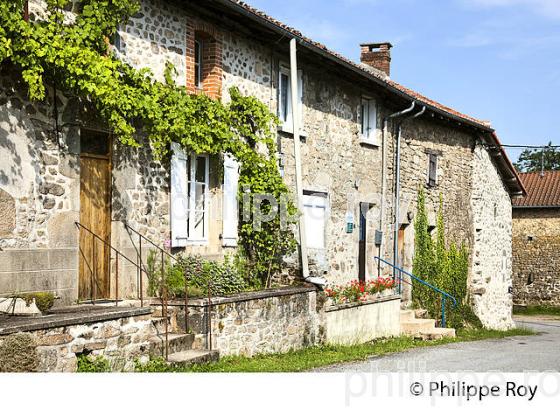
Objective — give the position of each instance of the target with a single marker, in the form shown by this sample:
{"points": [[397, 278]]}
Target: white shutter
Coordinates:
{"points": [[179, 198], [230, 207]]}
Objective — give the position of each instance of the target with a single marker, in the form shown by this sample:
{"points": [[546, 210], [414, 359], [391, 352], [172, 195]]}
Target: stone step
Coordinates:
{"points": [[159, 323], [414, 327], [177, 343], [437, 334], [188, 357]]}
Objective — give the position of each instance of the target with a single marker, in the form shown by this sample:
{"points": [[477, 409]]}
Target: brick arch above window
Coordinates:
{"points": [[204, 58]]}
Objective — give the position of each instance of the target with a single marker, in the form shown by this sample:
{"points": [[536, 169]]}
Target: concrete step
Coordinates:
{"points": [[414, 327], [188, 357], [407, 315], [437, 334], [177, 343]]}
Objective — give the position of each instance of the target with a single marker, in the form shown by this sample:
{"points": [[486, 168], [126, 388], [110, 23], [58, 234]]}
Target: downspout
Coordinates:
{"points": [[397, 196], [296, 121], [383, 177]]}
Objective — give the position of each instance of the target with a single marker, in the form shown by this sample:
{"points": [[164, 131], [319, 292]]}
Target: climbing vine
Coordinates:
{"points": [[446, 267], [75, 54]]}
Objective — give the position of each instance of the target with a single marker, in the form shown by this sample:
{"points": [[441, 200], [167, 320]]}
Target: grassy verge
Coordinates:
{"points": [[318, 356], [537, 310]]}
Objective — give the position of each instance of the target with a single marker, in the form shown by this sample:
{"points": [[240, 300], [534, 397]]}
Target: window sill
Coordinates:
{"points": [[289, 130], [369, 143]]}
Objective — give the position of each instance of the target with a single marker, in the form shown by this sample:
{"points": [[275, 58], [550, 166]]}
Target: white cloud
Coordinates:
{"points": [[546, 8]]}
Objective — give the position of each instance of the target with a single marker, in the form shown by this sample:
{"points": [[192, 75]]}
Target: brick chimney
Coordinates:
{"points": [[377, 55]]}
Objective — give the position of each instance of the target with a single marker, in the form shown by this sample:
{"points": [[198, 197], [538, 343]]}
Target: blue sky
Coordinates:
{"points": [[496, 60]]}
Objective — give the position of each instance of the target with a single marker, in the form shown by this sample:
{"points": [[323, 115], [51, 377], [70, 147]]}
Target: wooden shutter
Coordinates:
{"points": [[179, 198], [300, 99], [230, 207]]}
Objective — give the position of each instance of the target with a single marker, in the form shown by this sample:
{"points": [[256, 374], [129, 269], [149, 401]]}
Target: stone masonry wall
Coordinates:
{"points": [[536, 256], [120, 340], [491, 276]]}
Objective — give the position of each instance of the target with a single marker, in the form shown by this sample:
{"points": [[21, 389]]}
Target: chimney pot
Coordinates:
{"points": [[377, 55]]}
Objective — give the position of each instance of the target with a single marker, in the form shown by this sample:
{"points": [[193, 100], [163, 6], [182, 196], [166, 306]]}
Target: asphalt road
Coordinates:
{"points": [[537, 353]]}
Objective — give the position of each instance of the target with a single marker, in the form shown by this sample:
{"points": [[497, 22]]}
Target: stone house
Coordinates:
{"points": [[536, 240], [357, 156]]}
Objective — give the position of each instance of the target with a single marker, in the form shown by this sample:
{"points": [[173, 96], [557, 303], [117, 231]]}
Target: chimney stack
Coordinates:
{"points": [[377, 55]]}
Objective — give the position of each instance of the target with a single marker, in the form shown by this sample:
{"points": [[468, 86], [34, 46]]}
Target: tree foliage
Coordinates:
{"points": [[75, 55], [445, 267], [532, 160]]}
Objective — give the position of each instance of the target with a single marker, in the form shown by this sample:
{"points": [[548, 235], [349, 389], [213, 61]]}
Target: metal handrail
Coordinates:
{"points": [[117, 253], [164, 296], [444, 295]]}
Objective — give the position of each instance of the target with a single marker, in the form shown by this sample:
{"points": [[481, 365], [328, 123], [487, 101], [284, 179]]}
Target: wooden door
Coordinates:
{"points": [[95, 216], [362, 244], [400, 244]]}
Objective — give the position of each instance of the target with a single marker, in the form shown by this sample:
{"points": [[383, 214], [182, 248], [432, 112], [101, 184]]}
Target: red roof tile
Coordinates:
{"points": [[542, 190]]}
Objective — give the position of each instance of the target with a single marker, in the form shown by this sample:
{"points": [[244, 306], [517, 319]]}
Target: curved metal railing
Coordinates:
{"points": [[444, 295]]}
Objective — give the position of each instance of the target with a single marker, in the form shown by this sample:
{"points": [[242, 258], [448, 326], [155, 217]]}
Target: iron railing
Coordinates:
{"points": [[444, 295], [142, 238]]}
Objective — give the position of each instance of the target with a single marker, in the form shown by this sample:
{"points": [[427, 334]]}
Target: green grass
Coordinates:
{"points": [[537, 310], [318, 356]]}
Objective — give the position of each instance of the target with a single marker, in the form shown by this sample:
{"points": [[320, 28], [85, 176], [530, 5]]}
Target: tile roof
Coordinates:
{"points": [[542, 190]]}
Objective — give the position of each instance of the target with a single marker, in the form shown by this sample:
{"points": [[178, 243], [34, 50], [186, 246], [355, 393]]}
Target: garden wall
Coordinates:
{"points": [[279, 320], [51, 344], [362, 322]]}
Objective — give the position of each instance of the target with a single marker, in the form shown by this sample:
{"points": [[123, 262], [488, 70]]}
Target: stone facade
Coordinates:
{"points": [[491, 274], [536, 256], [41, 186]]}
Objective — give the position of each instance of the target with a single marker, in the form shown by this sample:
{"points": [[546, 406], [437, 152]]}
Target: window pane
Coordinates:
{"points": [[200, 169], [284, 84], [365, 117], [197, 63]]}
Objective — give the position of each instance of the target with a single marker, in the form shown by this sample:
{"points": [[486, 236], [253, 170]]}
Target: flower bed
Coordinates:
{"points": [[357, 291]]}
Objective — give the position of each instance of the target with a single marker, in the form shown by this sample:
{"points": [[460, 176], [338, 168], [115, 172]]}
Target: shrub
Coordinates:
{"points": [[18, 354], [224, 278], [89, 364], [43, 300], [445, 267]]}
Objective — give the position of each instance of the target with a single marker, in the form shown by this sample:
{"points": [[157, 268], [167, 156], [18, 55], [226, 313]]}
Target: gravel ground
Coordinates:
{"points": [[537, 353]]}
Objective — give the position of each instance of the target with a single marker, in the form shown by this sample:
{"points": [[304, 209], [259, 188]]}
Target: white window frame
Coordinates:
{"points": [[316, 199], [285, 112], [368, 121], [180, 236]]}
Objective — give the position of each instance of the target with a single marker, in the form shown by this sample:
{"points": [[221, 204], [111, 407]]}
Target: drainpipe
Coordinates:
{"points": [[296, 121], [383, 175], [398, 190]]}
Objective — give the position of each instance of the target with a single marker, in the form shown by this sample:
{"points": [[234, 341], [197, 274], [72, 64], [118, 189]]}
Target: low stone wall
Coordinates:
{"points": [[120, 334], [269, 321], [279, 320], [362, 322]]}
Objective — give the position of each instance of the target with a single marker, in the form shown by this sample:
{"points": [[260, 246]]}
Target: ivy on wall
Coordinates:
{"points": [[76, 56], [446, 267]]}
